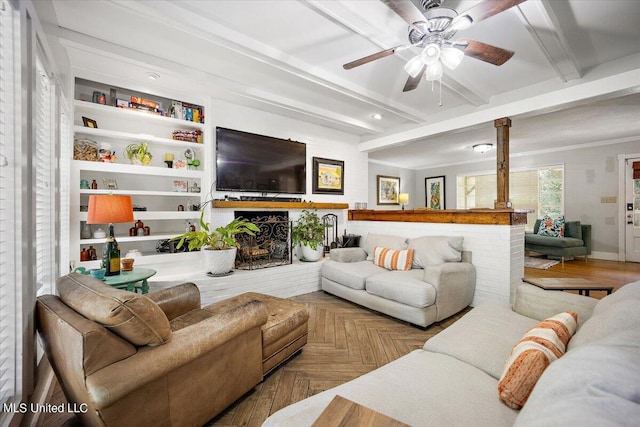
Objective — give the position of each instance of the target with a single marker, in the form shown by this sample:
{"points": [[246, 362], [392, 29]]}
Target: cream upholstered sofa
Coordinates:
{"points": [[453, 379], [440, 283]]}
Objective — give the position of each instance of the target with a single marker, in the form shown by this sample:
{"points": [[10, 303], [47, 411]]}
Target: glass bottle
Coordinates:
{"points": [[85, 232], [111, 254]]}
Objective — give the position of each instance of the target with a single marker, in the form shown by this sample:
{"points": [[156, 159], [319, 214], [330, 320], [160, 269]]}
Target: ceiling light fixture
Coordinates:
{"points": [[376, 116], [482, 148], [153, 76]]}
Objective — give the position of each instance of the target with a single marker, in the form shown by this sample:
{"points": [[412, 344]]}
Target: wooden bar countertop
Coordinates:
{"points": [[446, 216]]}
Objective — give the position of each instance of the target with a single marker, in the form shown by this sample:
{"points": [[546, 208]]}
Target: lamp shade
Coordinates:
{"points": [[403, 198], [106, 209]]}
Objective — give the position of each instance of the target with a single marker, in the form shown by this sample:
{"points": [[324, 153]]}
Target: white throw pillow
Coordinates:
{"points": [[430, 250]]}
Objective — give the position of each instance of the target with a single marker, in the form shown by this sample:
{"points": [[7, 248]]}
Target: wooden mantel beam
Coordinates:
{"points": [[502, 167]]}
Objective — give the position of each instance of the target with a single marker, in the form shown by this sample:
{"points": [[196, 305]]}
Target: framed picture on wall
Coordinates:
{"points": [[434, 192], [388, 189], [328, 176]]}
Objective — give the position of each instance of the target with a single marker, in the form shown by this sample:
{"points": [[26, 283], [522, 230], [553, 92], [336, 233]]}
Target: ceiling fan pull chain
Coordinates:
{"points": [[440, 103]]}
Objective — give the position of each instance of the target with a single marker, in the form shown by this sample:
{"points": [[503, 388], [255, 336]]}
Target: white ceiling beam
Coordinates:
{"points": [[218, 85], [598, 84], [181, 19], [542, 23]]}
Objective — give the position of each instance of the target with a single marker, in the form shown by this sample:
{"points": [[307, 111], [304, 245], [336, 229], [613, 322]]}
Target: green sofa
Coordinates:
{"points": [[576, 241]]}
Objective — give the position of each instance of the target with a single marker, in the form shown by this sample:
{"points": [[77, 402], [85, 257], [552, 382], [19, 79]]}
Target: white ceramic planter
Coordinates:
{"points": [[219, 262], [305, 253]]}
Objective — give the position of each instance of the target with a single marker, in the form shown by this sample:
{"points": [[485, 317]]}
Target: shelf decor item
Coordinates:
{"points": [[218, 246], [110, 209], [307, 236], [139, 154]]}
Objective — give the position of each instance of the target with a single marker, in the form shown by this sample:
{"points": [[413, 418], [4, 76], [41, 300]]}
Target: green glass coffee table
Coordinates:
{"points": [[129, 280]]}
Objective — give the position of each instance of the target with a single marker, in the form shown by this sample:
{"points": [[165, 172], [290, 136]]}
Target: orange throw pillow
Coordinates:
{"points": [[540, 346], [393, 259]]}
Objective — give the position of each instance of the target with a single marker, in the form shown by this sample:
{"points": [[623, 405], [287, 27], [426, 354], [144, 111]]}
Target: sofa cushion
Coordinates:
{"points": [[595, 384], [430, 250], [573, 229], [558, 242], [420, 389], [132, 316], [405, 287], [352, 274], [385, 241], [551, 227], [615, 312], [467, 338], [541, 345], [392, 259]]}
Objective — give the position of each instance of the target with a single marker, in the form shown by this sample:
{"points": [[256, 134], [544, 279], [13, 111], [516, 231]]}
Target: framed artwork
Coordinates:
{"points": [[110, 184], [434, 192], [388, 189], [89, 123], [328, 176], [180, 186]]}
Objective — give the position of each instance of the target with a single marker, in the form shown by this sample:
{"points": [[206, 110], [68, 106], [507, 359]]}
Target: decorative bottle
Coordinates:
{"points": [[111, 255]]}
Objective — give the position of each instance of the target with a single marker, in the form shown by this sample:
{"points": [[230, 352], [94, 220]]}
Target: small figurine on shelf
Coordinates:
{"points": [[168, 159]]}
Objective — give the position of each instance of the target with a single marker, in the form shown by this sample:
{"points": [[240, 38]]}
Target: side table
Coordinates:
{"points": [[128, 279], [568, 284], [342, 412]]}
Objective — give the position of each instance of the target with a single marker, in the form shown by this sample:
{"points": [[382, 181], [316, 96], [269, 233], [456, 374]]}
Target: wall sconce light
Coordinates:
{"points": [[482, 148], [403, 198]]}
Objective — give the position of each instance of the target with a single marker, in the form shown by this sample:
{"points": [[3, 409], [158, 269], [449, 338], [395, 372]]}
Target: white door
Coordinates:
{"points": [[632, 207]]}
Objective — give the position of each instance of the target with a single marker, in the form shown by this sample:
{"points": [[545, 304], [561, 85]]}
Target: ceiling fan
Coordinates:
{"points": [[432, 33]]}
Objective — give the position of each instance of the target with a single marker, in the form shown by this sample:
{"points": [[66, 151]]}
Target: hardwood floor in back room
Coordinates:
{"points": [[346, 341]]}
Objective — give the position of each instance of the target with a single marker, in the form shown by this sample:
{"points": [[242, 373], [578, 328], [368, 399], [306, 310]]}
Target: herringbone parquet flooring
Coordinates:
{"points": [[345, 341]]}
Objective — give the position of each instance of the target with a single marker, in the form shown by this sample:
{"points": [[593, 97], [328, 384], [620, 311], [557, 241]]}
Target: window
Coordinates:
{"points": [[10, 291], [540, 190]]}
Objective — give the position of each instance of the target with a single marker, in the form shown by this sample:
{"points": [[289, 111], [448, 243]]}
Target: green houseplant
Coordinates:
{"points": [[218, 245], [138, 153], [307, 235]]}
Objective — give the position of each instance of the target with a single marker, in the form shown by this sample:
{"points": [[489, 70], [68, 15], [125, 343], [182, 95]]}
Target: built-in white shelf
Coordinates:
{"points": [[125, 239], [113, 135], [157, 215], [122, 168], [143, 193]]}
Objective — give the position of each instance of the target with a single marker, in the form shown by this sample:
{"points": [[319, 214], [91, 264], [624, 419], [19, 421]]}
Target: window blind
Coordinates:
{"points": [[44, 153], [10, 290]]}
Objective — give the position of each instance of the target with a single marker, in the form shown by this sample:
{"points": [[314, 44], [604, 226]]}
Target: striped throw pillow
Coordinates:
{"points": [[540, 346], [393, 259]]}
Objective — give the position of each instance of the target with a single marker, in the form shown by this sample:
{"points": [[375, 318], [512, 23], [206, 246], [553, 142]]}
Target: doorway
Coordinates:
{"points": [[632, 209]]}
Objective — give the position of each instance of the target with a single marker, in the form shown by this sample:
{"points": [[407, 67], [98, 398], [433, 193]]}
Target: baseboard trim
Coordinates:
{"points": [[605, 256]]}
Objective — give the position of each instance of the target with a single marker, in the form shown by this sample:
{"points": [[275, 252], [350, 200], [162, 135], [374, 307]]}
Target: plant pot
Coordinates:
{"points": [[305, 253], [221, 261]]}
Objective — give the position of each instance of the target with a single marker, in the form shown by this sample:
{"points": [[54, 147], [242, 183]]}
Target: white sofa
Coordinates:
{"points": [[440, 283], [453, 380]]}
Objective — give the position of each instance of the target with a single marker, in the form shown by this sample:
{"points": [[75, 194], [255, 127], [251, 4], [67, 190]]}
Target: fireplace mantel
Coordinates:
{"points": [[277, 205]]}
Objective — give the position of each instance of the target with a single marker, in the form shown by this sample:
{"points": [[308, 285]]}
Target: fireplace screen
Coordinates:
{"points": [[270, 247]]}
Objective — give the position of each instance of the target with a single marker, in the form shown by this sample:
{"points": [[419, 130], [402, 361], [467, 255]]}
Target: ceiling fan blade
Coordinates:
{"points": [[406, 10], [413, 82], [488, 8], [369, 58], [486, 52]]}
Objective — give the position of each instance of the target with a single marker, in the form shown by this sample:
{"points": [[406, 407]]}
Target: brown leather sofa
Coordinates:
{"points": [[156, 359]]}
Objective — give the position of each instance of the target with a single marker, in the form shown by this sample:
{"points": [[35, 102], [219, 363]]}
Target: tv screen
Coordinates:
{"points": [[250, 162]]}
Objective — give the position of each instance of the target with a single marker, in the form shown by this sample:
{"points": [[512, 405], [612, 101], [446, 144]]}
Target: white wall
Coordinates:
{"points": [[407, 179], [591, 172]]}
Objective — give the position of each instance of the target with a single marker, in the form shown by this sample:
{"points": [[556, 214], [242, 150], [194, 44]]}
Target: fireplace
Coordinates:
{"points": [[271, 246]]}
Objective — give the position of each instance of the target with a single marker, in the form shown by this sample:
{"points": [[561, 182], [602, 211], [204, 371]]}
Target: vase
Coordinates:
{"points": [[219, 261], [307, 254]]}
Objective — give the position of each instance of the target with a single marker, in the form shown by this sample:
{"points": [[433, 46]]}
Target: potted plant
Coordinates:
{"points": [[307, 235], [138, 154], [219, 245]]}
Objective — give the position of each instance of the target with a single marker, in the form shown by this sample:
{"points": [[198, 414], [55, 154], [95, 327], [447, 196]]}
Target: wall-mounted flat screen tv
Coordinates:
{"points": [[250, 162]]}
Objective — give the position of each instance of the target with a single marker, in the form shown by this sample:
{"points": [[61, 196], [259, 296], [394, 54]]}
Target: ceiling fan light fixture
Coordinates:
{"points": [[482, 148], [434, 72], [451, 57], [414, 66], [431, 54]]}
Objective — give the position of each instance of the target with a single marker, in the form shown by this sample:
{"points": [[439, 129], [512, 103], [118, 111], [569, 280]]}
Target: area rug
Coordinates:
{"points": [[539, 263]]}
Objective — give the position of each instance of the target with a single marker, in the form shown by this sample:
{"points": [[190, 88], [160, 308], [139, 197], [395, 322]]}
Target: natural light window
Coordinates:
{"points": [[540, 190]]}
